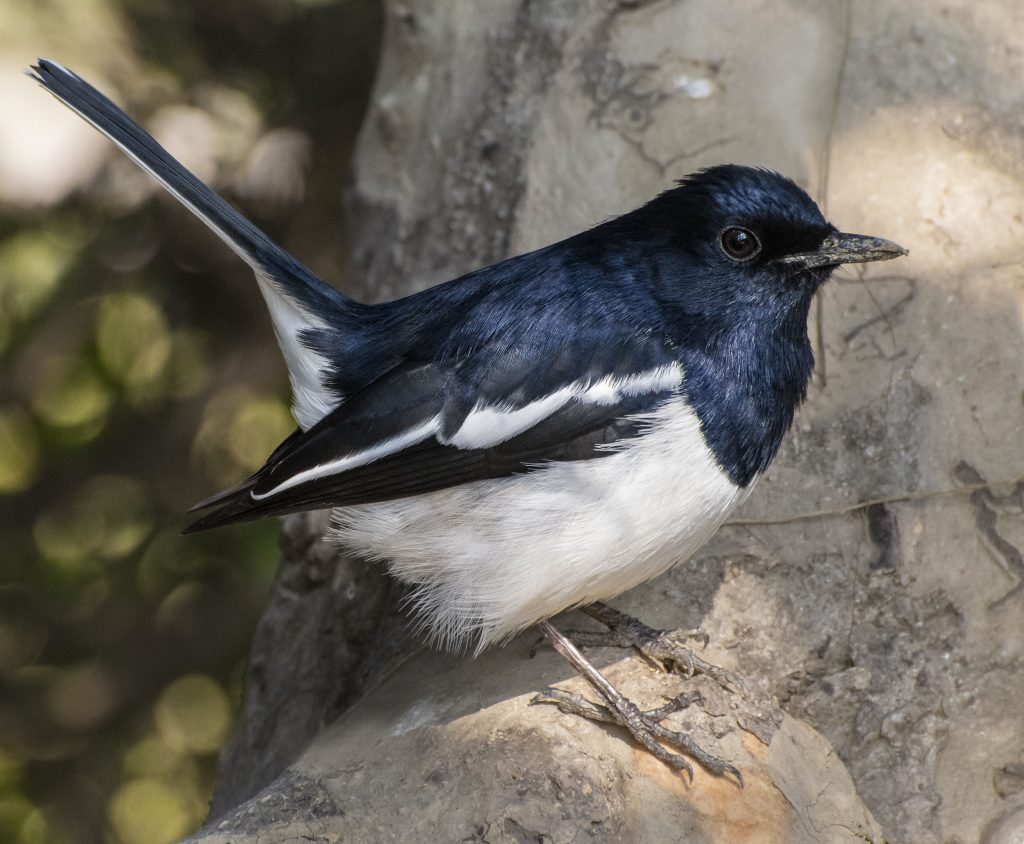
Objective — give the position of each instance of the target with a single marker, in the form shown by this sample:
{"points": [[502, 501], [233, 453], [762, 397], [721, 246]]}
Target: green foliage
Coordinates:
{"points": [[139, 374]]}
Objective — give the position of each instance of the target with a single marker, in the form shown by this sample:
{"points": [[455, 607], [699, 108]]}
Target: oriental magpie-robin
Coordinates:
{"points": [[549, 431]]}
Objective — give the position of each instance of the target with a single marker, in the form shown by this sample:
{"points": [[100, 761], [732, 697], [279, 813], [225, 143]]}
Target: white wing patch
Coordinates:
{"points": [[609, 390], [358, 458], [489, 425], [485, 426]]}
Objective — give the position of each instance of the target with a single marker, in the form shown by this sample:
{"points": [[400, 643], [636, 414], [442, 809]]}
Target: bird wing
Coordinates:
{"points": [[422, 428]]}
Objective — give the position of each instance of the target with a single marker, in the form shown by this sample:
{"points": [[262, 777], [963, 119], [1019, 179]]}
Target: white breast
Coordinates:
{"points": [[488, 559]]}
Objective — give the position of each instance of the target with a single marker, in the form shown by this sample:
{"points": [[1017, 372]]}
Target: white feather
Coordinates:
{"points": [[311, 401], [609, 390], [489, 558], [486, 426], [489, 425]]}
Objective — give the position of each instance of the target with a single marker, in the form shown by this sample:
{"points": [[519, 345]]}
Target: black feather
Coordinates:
{"points": [[576, 432], [241, 235]]}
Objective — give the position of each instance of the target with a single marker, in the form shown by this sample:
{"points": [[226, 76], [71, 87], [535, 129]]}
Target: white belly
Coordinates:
{"points": [[489, 558]]}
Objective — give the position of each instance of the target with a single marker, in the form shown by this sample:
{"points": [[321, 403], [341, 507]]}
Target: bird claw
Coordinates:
{"points": [[667, 651], [646, 728], [663, 648]]}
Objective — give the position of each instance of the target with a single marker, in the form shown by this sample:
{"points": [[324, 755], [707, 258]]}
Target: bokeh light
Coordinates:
{"points": [[72, 397], [82, 697], [149, 811], [138, 373], [108, 518], [239, 430], [19, 450], [132, 338], [193, 714], [14, 812], [33, 262]]}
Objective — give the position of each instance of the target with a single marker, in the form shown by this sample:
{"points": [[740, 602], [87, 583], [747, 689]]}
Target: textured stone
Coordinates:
{"points": [[449, 749], [873, 582]]}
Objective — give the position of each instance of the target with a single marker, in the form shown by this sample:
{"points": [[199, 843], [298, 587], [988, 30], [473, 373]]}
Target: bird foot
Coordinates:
{"points": [[666, 649], [645, 727]]}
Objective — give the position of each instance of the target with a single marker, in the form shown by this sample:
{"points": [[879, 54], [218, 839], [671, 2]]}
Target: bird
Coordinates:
{"points": [[547, 432]]}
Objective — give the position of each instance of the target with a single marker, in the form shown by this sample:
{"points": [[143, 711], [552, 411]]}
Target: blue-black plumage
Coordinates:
{"points": [[650, 292], [550, 430]]}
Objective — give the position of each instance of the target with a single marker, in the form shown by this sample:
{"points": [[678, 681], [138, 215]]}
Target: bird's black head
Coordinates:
{"points": [[743, 237], [733, 257]]}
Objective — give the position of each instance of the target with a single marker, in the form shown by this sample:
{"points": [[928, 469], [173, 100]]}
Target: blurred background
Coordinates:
{"points": [[138, 374]]}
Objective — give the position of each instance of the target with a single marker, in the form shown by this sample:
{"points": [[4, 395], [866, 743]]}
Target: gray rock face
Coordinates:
{"points": [[449, 749], [873, 583]]}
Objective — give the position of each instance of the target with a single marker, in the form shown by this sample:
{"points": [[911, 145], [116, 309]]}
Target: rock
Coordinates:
{"points": [[450, 749], [873, 582]]}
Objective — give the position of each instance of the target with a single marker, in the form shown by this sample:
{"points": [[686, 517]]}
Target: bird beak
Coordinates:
{"points": [[841, 248]]}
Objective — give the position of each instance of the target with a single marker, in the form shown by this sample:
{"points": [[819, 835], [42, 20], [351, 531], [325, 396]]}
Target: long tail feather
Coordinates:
{"points": [[298, 301], [251, 244]]}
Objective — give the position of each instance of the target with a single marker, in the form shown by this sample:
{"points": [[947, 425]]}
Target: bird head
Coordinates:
{"points": [[744, 236]]}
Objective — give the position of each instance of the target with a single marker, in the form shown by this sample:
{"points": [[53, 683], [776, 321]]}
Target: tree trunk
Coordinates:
{"points": [[895, 629]]}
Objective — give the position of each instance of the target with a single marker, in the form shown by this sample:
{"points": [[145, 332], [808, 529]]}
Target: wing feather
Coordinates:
{"points": [[426, 426], [578, 431]]}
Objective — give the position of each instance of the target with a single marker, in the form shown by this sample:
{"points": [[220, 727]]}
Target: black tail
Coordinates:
{"points": [[258, 250]]}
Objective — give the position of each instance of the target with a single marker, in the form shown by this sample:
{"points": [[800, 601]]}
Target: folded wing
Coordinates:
{"points": [[422, 428]]}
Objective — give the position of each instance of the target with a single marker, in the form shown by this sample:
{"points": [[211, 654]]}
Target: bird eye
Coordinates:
{"points": [[740, 244]]}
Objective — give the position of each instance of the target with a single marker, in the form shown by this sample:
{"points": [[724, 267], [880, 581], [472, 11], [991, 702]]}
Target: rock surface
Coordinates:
{"points": [[449, 749], [873, 583]]}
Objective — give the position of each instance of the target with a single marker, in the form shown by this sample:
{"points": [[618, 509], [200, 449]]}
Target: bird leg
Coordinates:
{"points": [[664, 648], [645, 727]]}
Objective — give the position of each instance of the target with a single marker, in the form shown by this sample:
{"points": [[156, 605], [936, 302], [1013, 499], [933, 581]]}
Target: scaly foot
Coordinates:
{"points": [[665, 648], [645, 727]]}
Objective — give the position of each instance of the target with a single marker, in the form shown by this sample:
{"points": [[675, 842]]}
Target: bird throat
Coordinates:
{"points": [[745, 390]]}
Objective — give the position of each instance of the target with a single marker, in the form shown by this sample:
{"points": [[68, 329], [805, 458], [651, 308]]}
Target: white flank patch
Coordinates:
{"points": [[487, 426], [489, 558], [358, 458], [311, 401]]}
